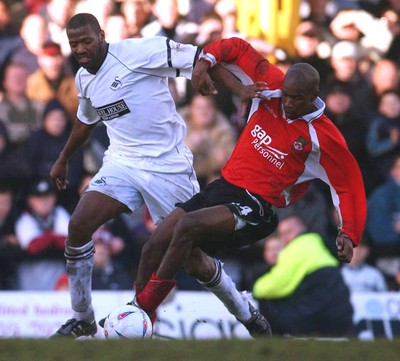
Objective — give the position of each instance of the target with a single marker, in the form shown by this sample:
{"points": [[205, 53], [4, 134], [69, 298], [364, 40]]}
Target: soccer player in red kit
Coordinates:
{"points": [[287, 142]]}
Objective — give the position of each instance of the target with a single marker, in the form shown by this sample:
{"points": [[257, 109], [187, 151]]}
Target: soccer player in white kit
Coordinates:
{"points": [[125, 85]]}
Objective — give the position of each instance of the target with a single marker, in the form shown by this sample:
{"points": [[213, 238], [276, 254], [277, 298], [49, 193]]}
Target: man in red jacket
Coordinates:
{"points": [[287, 142]]}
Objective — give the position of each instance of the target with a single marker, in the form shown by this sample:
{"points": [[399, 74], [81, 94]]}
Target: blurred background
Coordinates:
{"points": [[355, 46]]}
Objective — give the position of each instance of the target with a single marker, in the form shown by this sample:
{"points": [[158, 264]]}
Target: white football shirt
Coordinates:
{"points": [[130, 94]]}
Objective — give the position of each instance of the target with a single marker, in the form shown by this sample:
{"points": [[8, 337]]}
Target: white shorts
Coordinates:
{"points": [[134, 187]]}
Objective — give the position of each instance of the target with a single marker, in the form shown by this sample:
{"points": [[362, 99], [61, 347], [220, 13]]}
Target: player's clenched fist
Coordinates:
{"points": [[344, 247], [58, 174]]}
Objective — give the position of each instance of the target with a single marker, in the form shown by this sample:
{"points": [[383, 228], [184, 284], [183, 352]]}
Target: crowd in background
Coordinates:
{"points": [[355, 46]]}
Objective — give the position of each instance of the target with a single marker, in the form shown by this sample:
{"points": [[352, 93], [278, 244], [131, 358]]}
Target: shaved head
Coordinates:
{"points": [[83, 19], [303, 75]]}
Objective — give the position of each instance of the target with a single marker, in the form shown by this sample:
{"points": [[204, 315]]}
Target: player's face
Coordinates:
{"points": [[88, 47], [297, 100]]}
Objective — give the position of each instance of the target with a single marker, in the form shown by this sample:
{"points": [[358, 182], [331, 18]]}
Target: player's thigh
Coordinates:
{"points": [[119, 182], [211, 224], [93, 210]]}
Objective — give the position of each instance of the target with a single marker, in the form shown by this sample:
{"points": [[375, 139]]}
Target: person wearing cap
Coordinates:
{"points": [[41, 230], [53, 79]]}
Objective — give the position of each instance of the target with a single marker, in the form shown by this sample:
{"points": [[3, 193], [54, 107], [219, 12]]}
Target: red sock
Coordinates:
{"points": [[154, 293]]}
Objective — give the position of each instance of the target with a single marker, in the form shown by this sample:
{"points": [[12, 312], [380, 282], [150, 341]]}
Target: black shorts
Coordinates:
{"points": [[257, 214]]}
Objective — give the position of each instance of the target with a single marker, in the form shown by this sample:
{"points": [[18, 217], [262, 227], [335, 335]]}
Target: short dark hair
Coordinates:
{"points": [[83, 19]]}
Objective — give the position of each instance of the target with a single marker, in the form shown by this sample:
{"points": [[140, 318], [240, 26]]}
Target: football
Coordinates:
{"points": [[129, 322]]}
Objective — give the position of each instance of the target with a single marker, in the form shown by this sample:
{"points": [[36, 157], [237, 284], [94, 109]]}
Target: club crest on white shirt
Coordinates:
{"points": [[116, 84]]}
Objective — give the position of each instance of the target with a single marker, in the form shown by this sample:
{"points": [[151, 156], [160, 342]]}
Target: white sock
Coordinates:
{"points": [[80, 262], [225, 289]]}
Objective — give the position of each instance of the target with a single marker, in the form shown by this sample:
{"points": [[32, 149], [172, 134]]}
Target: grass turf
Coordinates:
{"points": [[274, 349]]}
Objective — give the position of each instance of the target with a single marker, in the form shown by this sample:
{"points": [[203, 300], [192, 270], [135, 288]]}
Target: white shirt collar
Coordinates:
{"points": [[318, 102]]}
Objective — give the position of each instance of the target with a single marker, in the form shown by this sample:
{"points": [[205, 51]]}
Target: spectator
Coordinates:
{"points": [[270, 250], [41, 230], [345, 60], [14, 168], [392, 16], [210, 28], [383, 225], [101, 9], [53, 80], [307, 41], [115, 28], [384, 76], [10, 251], [33, 6], [199, 9], [18, 113], [227, 10], [43, 148], [108, 274], [383, 136], [7, 26], [168, 22], [373, 34], [339, 109], [210, 137], [9, 38], [317, 12], [304, 293], [56, 14], [34, 33], [137, 15], [361, 276]]}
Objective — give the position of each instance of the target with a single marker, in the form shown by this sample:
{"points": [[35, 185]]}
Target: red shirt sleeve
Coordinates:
{"points": [[239, 52], [347, 186]]}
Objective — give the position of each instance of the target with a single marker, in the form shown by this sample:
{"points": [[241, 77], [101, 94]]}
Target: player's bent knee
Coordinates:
{"points": [[187, 228]]}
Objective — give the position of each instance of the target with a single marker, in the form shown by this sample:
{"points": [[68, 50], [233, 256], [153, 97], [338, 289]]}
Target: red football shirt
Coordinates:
{"points": [[277, 157]]}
